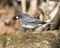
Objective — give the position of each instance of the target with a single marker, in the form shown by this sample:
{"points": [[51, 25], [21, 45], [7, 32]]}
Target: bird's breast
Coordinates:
{"points": [[26, 24], [29, 26]]}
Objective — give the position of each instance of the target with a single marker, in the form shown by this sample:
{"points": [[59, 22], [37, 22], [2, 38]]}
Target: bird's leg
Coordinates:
{"points": [[27, 30]]}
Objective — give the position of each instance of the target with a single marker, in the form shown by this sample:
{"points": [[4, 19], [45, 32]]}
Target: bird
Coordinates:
{"points": [[28, 22]]}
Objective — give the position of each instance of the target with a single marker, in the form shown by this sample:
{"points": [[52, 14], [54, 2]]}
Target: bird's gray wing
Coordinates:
{"points": [[33, 20], [30, 19]]}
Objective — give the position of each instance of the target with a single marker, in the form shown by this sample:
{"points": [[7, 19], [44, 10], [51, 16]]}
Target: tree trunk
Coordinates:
{"points": [[23, 6], [32, 8]]}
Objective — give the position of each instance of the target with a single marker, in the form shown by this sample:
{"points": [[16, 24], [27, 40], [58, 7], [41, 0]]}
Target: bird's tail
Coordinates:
{"points": [[47, 22], [41, 22]]}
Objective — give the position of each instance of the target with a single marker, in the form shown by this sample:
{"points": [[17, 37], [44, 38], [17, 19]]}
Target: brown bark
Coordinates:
{"points": [[23, 6], [32, 8]]}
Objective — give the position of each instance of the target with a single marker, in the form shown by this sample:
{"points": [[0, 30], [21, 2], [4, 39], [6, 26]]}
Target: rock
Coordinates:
{"points": [[6, 15], [35, 40]]}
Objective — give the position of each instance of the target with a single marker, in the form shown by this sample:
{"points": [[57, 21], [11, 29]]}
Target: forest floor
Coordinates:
{"points": [[43, 39]]}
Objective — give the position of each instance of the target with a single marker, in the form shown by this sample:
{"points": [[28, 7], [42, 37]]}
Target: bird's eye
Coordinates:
{"points": [[17, 17]]}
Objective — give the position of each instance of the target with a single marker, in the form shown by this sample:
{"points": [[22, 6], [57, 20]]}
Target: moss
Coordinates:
{"points": [[29, 39]]}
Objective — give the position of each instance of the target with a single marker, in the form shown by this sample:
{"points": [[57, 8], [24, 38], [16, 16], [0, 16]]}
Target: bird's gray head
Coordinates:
{"points": [[19, 16]]}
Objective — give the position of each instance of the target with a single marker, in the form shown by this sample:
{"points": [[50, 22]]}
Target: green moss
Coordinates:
{"points": [[5, 39], [21, 30]]}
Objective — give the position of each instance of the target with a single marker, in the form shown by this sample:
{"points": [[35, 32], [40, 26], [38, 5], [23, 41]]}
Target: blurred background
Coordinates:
{"points": [[43, 10]]}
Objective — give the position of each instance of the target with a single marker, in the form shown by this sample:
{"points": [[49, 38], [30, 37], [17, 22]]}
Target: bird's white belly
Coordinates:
{"points": [[28, 26]]}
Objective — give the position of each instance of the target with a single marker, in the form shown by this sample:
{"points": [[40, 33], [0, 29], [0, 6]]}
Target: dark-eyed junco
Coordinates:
{"points": [[28, 22]]}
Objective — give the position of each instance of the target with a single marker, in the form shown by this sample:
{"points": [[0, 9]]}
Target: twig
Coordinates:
{"points": [[52, 15]]}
